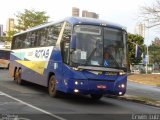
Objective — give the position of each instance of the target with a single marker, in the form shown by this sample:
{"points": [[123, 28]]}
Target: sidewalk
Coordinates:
{"points": [[148, 94]]}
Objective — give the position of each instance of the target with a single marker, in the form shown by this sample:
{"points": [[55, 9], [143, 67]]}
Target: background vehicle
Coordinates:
{"points": [[4, 58], [67, 56]]}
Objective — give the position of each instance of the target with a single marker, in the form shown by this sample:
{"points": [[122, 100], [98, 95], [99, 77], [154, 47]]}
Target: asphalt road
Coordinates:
{"points": [[32, 102], [142, 90]]}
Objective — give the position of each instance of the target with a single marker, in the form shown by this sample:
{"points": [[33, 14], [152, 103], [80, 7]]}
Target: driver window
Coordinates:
{"points": [[65, 43]]}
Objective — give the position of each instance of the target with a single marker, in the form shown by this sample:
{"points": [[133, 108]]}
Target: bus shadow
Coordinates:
{"points": [[69, 98], [35, 87], [85, 100], [1, 68]]}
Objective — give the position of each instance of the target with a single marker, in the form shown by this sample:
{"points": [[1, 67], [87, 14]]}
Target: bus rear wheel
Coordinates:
{"points": [[18, 78], [96, 96], [52, 87]]}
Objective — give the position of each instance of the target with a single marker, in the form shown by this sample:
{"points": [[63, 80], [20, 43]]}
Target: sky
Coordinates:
{"points": [[123, 12]]}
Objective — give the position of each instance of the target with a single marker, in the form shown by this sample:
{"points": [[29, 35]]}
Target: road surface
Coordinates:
{"points": [[32, 102], [142, 90]]}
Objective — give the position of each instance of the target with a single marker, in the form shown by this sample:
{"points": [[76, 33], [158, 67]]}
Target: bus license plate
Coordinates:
{"points": [[101, 86]]}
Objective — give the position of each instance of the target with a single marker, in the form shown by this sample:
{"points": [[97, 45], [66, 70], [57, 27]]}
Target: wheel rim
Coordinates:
{"points": [[52, 86], [18, 76]]}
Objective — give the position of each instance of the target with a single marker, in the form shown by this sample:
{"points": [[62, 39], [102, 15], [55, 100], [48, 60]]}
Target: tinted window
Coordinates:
{"points": [[42, 37], [4, 54], [53, 33], [65, 43]]}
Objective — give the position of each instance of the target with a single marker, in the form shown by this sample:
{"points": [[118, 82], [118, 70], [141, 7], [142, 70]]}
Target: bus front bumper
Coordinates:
{"points": [[96, 87]]}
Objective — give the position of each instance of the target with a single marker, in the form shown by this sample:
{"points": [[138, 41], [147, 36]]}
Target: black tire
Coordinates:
{"points": [[52, 87], [14, 77], [96, 96], [18, 78]]}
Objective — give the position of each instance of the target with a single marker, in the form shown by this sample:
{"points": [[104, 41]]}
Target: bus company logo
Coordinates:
{"points": [[42, 53]]}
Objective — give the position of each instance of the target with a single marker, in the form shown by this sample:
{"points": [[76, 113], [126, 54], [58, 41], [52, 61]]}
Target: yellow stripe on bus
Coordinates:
{"points": [[37, 66]]}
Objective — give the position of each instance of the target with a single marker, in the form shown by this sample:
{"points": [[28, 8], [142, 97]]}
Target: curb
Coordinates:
{"points": [[143, 100], [140, 82]]}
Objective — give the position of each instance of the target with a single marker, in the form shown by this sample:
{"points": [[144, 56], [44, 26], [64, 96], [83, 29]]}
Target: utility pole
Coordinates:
{"points": [[147, 55], [147, 59]]}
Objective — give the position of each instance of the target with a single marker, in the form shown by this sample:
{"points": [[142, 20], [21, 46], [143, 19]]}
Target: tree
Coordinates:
{"points": [[30, 18], [132, 38], [152, 14], [154, 54], [10, 35]]}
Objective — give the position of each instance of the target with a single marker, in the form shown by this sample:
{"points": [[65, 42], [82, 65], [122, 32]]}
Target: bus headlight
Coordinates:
{"points": [[74, 68], [76, 82], [65, 82], [122, 86], [122, 73]]}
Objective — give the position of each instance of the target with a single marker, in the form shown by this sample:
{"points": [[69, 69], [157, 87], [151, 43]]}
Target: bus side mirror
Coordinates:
{"points": [[138, 52], [73, 43]]}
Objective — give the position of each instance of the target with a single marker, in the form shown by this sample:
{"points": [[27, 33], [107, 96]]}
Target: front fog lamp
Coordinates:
{"points": [[120, 93], [76, 90]]}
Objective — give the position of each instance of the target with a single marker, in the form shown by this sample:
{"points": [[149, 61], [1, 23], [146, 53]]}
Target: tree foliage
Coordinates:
{"points": [[154, 54], [30, 18], [152, 14], [132, 40], [10, 35]]}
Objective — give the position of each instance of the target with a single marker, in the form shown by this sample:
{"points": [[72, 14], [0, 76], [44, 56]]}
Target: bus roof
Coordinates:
{"points": [[92, 21], [77, 20]]}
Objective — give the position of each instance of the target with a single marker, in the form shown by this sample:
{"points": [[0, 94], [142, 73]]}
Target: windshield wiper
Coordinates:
{"points": [[112, 58]]}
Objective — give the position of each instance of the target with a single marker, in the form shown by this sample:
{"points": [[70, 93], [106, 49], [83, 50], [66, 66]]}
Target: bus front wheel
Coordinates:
{"points": [[52, 87], [96, 96]]}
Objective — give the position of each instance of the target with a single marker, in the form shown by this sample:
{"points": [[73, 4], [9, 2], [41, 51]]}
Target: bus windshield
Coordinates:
{"points": [[99, 46]]}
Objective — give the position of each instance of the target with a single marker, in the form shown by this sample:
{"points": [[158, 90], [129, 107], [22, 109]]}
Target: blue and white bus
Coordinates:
{"points": [[68, 56]]}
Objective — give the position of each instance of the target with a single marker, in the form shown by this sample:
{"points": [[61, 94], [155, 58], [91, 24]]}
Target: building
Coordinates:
{"points": [[1, 30], [140, 29], [156, 41], [85, 13], [75, 12], [10, 25]]}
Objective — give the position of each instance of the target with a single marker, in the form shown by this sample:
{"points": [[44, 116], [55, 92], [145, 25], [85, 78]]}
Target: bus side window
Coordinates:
{"points": [[13, 43], [50, 37], [23, 37], [65, 43], [43, 37], [53, 33], [27, 41], [37, 38], [32, 39], [18, 42]]}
